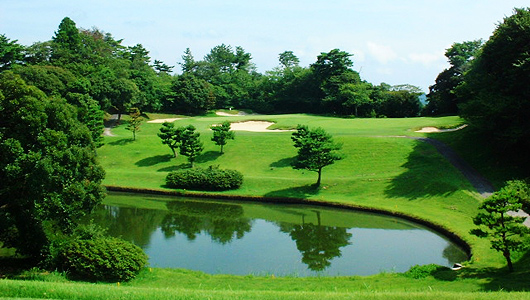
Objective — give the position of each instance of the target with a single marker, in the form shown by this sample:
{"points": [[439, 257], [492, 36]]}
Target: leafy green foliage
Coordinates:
{"points": [[316, 150], [191, 145], [210, 179], [10, 53], [221, 134], [135, 121], [496, 89], [94, 63], [171, 136], [48, 168], [442, 97], [506, 232], [190, 94], [420, 272], [102, 259]]}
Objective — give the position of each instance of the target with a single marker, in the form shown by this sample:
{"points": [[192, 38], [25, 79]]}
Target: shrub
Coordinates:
{"points": [[102, 259], [210, 179], [419, 272]]}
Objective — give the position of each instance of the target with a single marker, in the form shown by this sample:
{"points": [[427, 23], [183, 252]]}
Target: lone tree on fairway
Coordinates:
{"points": [[316, 149], [191, 145], [505, 232], [221, 134], [171, 136], [135, 121]]}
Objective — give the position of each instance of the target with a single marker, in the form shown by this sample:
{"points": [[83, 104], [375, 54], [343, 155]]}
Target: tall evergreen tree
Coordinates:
{"points": [[191, 144], [221, 134]]}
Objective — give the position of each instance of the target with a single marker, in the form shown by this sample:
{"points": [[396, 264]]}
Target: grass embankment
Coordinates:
{"points": [[381, 170]]}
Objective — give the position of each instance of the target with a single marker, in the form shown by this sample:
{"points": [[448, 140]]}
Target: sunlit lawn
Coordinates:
{"points": [[381, 169]]}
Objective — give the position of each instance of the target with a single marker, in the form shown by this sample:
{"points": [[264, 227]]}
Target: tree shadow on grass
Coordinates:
{"points": [[175, 168], [208, 156], [153, 160], [300, 192], [282, 163], [121, 142], [427, 173], [501, 279]]}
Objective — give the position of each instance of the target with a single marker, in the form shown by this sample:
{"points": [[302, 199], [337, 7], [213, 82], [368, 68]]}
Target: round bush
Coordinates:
{"points": [[102, 259], [210, 179]]}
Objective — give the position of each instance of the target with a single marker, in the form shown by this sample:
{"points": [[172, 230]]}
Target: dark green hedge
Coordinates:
{"points": [[210, 179]]}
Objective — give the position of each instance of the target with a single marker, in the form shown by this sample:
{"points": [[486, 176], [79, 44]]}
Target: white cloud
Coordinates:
{"points": [[427, 59], [381, 53]]}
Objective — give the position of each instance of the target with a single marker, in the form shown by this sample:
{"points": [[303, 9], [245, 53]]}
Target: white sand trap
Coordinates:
{"points": [[434, 129], [224, 114], [163, 120], [255, 126]]}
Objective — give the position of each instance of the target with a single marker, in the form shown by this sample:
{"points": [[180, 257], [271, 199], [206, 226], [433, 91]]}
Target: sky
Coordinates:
{"points": [[392, 41]]}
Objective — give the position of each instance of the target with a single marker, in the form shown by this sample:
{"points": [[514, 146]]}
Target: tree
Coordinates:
{"points": [[401, 104], [333, 63], [318, 244], [316, 150], [135, 121], [496, 87], [48, 169], [288, 60], [442, 98], [66, 44], [123, 93], [10, 53], [337, 81], [188, 64], [171, 136], [161, 67], [190, 94], [89, 113], [221, 134], [191, 144], [351, 97], [505, 231]]}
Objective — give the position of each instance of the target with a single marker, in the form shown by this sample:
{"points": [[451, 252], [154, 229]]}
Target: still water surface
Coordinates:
{"points": [[253, 238]]}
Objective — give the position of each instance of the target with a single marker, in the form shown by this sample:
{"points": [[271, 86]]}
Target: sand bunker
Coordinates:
{"points": [[224, 114], [434, 129], [163, 120], [255, 126]]}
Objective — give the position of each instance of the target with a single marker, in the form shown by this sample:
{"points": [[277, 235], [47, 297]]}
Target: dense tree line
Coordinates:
{"points": [[88, 67], [487, 83]]}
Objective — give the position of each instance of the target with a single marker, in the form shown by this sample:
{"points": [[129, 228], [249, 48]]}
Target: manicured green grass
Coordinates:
{"points": [[382, 170], [183, 284]]}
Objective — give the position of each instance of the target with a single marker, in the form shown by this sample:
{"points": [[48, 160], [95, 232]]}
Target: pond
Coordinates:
{"points": [[245, 238]]}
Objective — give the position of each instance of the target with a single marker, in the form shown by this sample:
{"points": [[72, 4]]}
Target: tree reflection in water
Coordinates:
{"points": [[222, 222], [318, 244]]}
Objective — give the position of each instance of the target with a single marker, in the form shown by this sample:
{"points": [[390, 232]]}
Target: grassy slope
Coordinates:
{"points": [[380, 170]]}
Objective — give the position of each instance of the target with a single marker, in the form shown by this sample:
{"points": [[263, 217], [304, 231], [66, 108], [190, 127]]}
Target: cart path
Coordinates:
{"points": [[109, 124], [479, 182]]}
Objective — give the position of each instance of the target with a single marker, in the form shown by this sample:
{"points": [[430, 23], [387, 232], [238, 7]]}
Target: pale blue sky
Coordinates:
{"points": [[397, 42]]}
